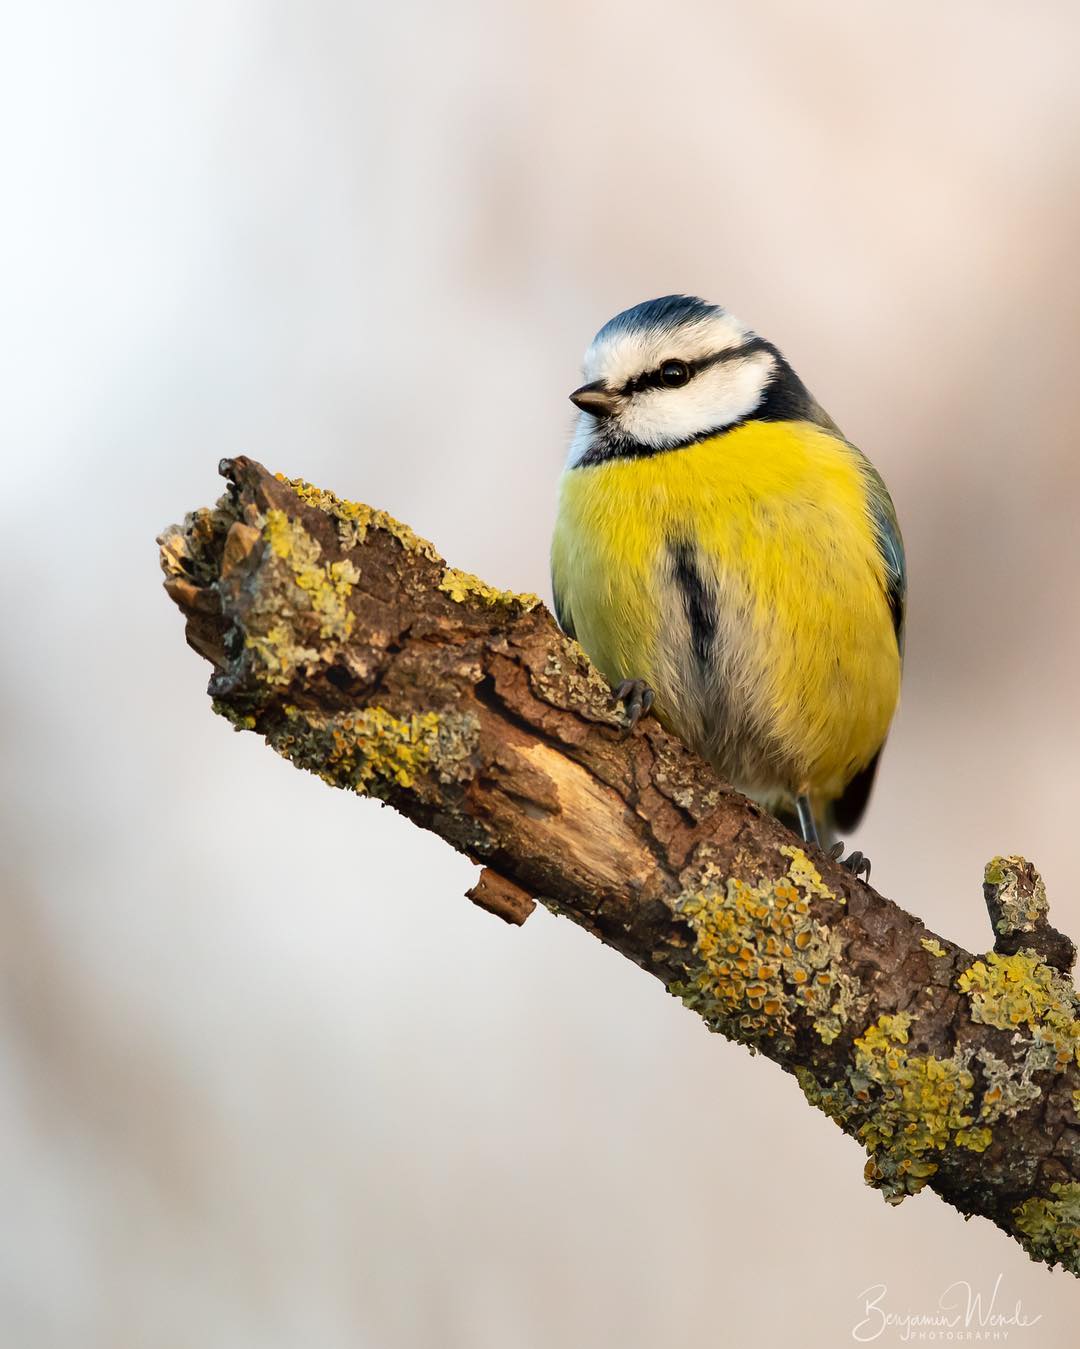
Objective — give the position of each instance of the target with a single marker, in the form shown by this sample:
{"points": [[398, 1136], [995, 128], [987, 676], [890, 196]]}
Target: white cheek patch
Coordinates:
{"points": [[715, 397], [720, 394]]}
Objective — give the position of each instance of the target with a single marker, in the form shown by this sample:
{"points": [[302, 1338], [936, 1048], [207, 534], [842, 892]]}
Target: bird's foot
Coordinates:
{"points": [[856, 862], [636, 696]]}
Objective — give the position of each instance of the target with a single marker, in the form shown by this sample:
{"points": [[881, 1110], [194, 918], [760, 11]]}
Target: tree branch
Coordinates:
{"points": [[346, 642]]}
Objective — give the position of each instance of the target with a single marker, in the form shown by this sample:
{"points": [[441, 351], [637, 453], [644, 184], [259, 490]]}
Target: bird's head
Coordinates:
{"points": [[667, 373]]}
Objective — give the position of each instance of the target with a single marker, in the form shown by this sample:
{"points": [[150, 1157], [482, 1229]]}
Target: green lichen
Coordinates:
{"points": [[1012, 992], [241, 721], [932, 945], [463, 585], [354, 519], [371, 751], [832, 1098], [1050, 1228], [1076, 1101], [763, 956], [1019, 912]]}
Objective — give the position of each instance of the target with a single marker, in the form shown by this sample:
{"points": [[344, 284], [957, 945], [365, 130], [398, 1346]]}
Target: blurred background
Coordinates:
{"points": [[266, 1078]]}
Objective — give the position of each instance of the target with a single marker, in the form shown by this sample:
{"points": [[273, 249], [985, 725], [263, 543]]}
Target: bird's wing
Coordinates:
{"points": [[848, 808], [891, 546], [562, 609]]}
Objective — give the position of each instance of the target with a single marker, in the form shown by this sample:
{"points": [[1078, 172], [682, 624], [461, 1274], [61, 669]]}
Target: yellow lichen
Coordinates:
{"points": [[763, 956], [803, 873], [978, 1140], [1021, 993], [326, 585], [279, 653], [462, 586], [1020, 990], [354, 519], [932, 945], [1050, 1228], [277, 641], [371, 750], [905, 1108], [908, 1108], [328, 589], [918, 1105], [289, 540]]}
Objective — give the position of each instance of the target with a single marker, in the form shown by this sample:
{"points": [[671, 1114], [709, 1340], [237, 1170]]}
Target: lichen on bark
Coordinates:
{"points": [[343, 639]]}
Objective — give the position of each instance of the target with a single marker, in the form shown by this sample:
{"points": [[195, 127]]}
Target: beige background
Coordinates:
{"points": [[265, 1078]]}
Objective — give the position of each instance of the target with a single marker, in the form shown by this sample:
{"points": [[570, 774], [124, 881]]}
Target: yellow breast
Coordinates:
{"points": [[803, 671]]}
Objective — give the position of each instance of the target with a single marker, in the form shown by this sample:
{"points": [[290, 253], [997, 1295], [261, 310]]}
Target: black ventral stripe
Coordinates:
{"points": [[697, 602]]}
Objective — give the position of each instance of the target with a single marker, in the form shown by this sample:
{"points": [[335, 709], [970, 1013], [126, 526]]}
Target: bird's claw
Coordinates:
{"points": [[856, 862], [636, 696]]}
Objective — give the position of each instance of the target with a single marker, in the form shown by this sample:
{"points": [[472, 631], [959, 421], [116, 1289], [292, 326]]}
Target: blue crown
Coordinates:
{"points": [[668, 312]]}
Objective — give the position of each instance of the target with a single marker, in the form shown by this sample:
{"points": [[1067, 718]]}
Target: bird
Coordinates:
{"points": [[731, 562]]}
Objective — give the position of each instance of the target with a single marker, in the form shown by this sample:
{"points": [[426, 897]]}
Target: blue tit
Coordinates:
{"points": [[726, 557]]}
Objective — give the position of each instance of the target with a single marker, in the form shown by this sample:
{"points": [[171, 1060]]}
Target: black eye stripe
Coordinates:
{"points": [[653, 379]]}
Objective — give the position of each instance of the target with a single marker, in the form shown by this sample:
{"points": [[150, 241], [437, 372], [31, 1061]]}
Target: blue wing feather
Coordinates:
{"points": [[562, 611], [848, 808], [891, 546]]}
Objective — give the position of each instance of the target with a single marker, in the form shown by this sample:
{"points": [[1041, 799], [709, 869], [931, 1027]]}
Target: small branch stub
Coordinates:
{"points": [[1016, 900], [501, 897]]}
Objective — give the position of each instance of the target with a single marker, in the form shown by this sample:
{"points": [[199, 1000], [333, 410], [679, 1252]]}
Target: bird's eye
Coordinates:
{"points": [[674, 373]]}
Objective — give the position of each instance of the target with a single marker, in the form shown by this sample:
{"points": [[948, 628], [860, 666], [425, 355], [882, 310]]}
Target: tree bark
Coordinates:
{"points": [[344, 639]]}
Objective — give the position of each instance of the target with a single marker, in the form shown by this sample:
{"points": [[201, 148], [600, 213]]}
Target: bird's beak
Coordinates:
{"points": [[595, 399]]}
